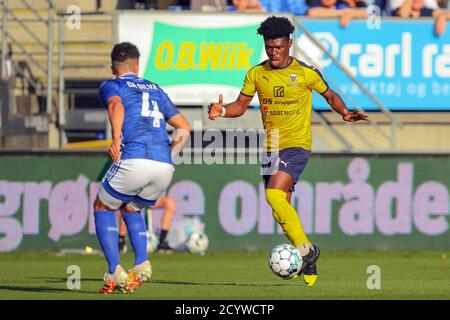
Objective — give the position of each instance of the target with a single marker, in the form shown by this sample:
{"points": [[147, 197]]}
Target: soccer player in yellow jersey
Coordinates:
{"points": [[284, 86]]}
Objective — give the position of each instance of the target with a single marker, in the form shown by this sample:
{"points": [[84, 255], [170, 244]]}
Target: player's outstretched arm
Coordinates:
{"points": [[231, 110], [116, 114], [338, 105]]}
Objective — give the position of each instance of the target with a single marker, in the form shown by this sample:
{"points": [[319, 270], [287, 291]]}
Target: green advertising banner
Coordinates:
{"points": [[183, 55], [194, 57], [345, 202]]}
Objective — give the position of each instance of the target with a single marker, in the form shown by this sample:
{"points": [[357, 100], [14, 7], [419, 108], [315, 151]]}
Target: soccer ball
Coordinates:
{"points": [[285, 261], [197, 242], [152, 242]]}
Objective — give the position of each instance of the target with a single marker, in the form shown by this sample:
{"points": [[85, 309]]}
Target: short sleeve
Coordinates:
{"points": [[315, 80], [249, 86], [169, 109], [107, 90]]}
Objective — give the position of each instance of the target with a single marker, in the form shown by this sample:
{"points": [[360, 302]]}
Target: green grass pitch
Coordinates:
{"points": [[232, 275]]}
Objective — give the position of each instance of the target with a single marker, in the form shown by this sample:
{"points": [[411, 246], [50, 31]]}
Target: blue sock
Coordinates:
{"points": [[108, 236], [137, 229]]}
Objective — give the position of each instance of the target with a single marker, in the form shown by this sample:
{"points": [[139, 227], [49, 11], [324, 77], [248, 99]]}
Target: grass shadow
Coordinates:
{"points": [[37, 289], [186, 283], [63, 280], [172, 282]]}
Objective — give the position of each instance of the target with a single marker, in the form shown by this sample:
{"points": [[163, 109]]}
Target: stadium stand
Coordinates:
{"points": [[84, 63]]}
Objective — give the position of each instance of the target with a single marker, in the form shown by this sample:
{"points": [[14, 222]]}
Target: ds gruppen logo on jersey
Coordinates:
{"points": [[278, 91]]}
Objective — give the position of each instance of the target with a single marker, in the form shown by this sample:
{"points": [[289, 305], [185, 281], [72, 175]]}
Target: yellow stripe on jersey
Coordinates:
{"points": [[285, 96]]}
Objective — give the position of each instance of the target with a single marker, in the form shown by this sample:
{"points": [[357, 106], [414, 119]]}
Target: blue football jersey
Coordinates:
{"points": [[147, 108]]}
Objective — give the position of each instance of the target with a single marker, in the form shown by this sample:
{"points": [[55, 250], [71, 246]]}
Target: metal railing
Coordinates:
{"points": [[4, 36], [47, 48], [63, 65], [394, 122]]}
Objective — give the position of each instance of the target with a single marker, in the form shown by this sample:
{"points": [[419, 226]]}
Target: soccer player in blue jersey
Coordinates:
{"points": [[142, 169]]}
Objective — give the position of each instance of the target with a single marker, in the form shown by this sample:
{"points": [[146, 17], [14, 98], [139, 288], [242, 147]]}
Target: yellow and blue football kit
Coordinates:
{"points": [[285, 96]]}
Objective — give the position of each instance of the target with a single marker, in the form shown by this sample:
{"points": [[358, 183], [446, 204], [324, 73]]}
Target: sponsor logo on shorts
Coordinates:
{"points": [[278, 161], [285, 163]]}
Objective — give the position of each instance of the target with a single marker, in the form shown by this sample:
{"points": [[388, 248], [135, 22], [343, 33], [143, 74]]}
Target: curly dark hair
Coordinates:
{"points": [[276, 27], [124, 51]]}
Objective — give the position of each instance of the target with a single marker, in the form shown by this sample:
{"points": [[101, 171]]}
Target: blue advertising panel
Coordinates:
{"points": [[403, 64]]}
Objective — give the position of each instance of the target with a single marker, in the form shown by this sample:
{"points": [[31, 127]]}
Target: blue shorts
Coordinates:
{"points": [[290, 160]]}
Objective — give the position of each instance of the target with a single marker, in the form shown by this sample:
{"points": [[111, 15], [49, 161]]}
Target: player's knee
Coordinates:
{"points": [[275, 197]]}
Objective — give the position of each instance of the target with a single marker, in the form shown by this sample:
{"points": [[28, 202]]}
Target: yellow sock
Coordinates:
{"points": [[287, 217]]}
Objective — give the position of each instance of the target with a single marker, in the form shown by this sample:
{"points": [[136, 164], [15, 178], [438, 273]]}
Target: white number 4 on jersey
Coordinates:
{"points": [[146, 112]]}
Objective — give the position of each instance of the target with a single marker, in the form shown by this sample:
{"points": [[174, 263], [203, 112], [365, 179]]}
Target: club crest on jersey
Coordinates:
{"points": [[265, 109], [293, 77]]}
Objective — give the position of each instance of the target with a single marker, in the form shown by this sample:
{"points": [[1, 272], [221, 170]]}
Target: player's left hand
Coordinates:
{"points": [[114, 150], [356, 115]]}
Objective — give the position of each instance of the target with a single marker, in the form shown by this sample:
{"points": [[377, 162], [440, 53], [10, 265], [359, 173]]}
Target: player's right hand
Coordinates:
{"points": [[114, 150], [356, 115], [215, 109]]}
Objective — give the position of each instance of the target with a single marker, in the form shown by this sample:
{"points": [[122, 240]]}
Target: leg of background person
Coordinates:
{"points": [[122, 232], [122, 226], [166, 220]]}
